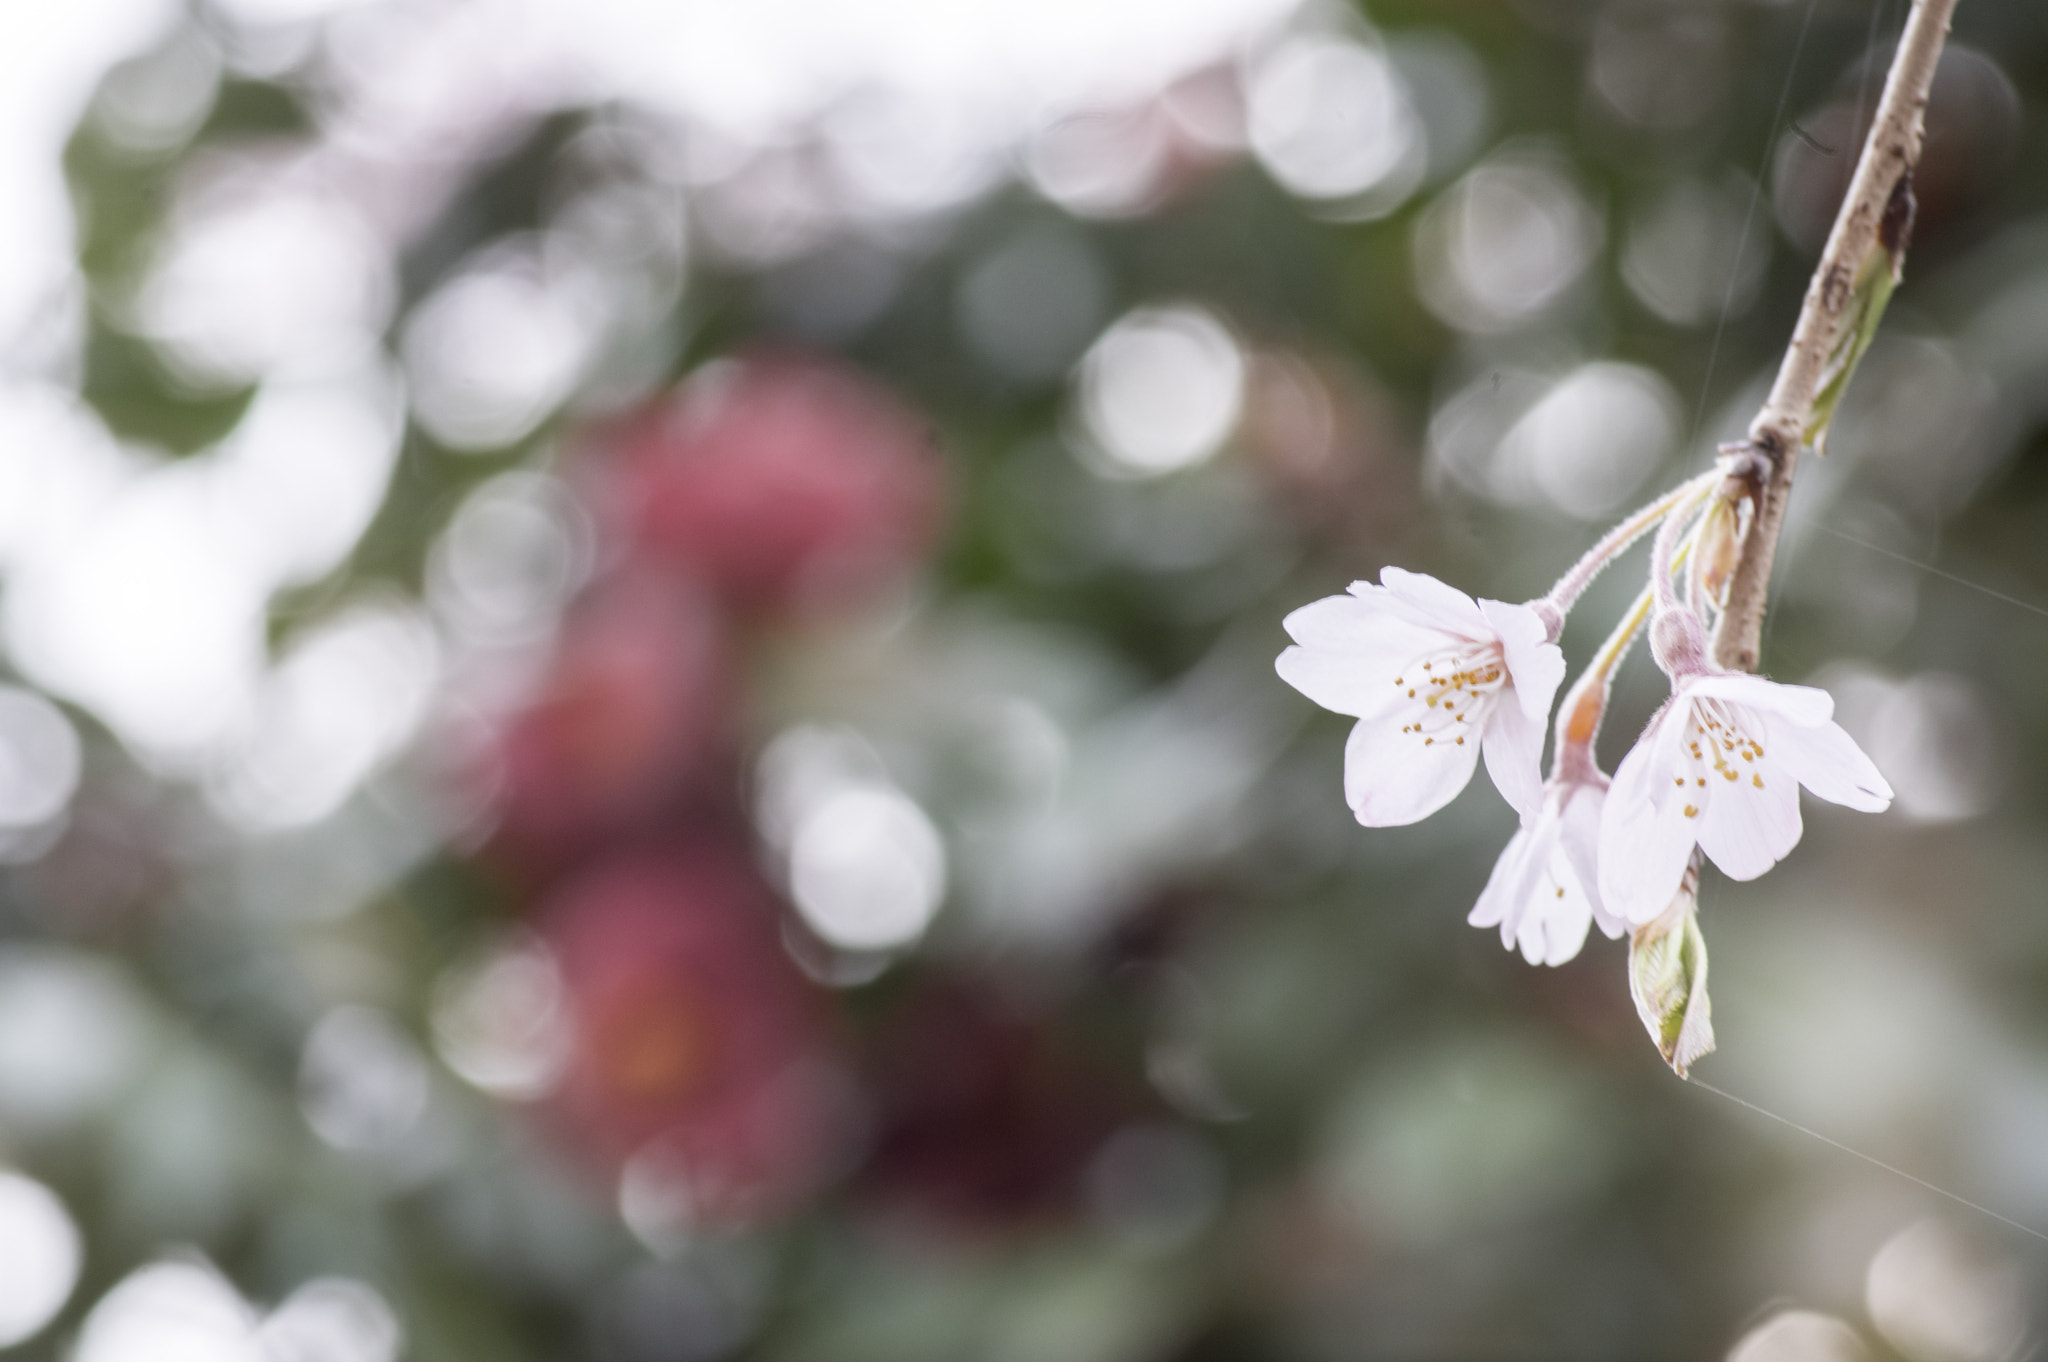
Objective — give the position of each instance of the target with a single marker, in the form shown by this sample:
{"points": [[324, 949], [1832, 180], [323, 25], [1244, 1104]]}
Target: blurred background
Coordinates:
{"points": [[639, 725]]}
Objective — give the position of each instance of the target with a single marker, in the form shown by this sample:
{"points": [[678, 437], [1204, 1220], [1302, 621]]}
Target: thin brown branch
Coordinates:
{"points": [[1881, 188]]}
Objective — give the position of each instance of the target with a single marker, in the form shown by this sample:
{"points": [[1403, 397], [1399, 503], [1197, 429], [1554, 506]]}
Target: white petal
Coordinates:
{"points": [[1645, 837], [1579, 845], [1535, 664], [1555, 928], [1611, 927], [1746, 829], [1828, 762], [1350, 652], [1430, 602], [1506, 894], [1349, 685], [1803, 705], [1514, 755], [1362, 625], [1393, 778]]}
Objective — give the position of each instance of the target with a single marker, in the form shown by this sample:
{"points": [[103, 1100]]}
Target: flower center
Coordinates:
{"points": [[1717, 753], [1446, 697]]}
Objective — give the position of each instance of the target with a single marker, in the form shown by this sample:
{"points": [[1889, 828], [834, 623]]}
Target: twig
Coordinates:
{"points": [[1876, 215]]}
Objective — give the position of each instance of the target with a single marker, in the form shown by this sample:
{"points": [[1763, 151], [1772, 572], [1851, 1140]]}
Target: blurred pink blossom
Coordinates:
{"points": [[782, 481], [695, 1034]]}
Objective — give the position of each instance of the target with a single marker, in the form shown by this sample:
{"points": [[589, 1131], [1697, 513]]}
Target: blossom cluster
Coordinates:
{"points": [[1438, 680]]}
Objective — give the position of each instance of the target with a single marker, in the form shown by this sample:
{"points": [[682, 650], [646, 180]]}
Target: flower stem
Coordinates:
{"points": [[1583, 709], [1581, 574], [1876, 215]]}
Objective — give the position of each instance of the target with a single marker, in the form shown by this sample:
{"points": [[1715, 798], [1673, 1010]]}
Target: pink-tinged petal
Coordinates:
{"points": [[1506, 895], [1646, 838], [1827, 761], [1803, 705], [1393, 778], [1430, 602], [1535, 664], [1514, 755], [1747, 826], [1368, 626]]}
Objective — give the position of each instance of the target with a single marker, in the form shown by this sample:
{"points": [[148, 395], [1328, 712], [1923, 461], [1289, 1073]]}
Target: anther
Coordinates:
{"points": [[1691, 812]]}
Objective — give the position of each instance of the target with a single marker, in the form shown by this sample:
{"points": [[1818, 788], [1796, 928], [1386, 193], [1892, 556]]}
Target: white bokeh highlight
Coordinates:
{"points": [[40, 1255], [331, 1319], [1938, 1297], [342, 700], [39, 759], [1329, 119], [1931, 734], [1582, 442], [145, 599], [867, 869], [866, 866], [1693, 251], [1161, 390], [496, 348], [74, 1032], [1590, 442], [512, 555], [363, 1083], [170, 1312], [279, 279], [1506, 242], [500, 1021], [1800, 1336]]}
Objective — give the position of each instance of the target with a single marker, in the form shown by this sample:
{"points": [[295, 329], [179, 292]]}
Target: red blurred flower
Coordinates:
{"points": [[635, 706], [783, 481], [694, 1033]]}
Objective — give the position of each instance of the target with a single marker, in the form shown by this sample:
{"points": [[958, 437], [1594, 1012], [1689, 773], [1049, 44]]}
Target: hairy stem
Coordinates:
{"points": [[1578, 719], [1575, 581], [1879, 200]]}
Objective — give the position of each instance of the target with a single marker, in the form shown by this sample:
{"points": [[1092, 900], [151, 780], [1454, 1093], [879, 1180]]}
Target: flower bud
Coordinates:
{"points": [[1667, 976], [1679, 643], [1720, 549]]}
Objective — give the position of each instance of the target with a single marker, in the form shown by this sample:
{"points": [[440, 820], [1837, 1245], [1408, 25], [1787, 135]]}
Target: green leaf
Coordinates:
{"points": [[1877, 274]]}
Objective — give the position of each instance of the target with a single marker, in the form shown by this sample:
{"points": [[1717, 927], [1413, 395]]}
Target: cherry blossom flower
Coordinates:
{"points": [[1544, 890], [1720, 767], [1434, 679]]}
